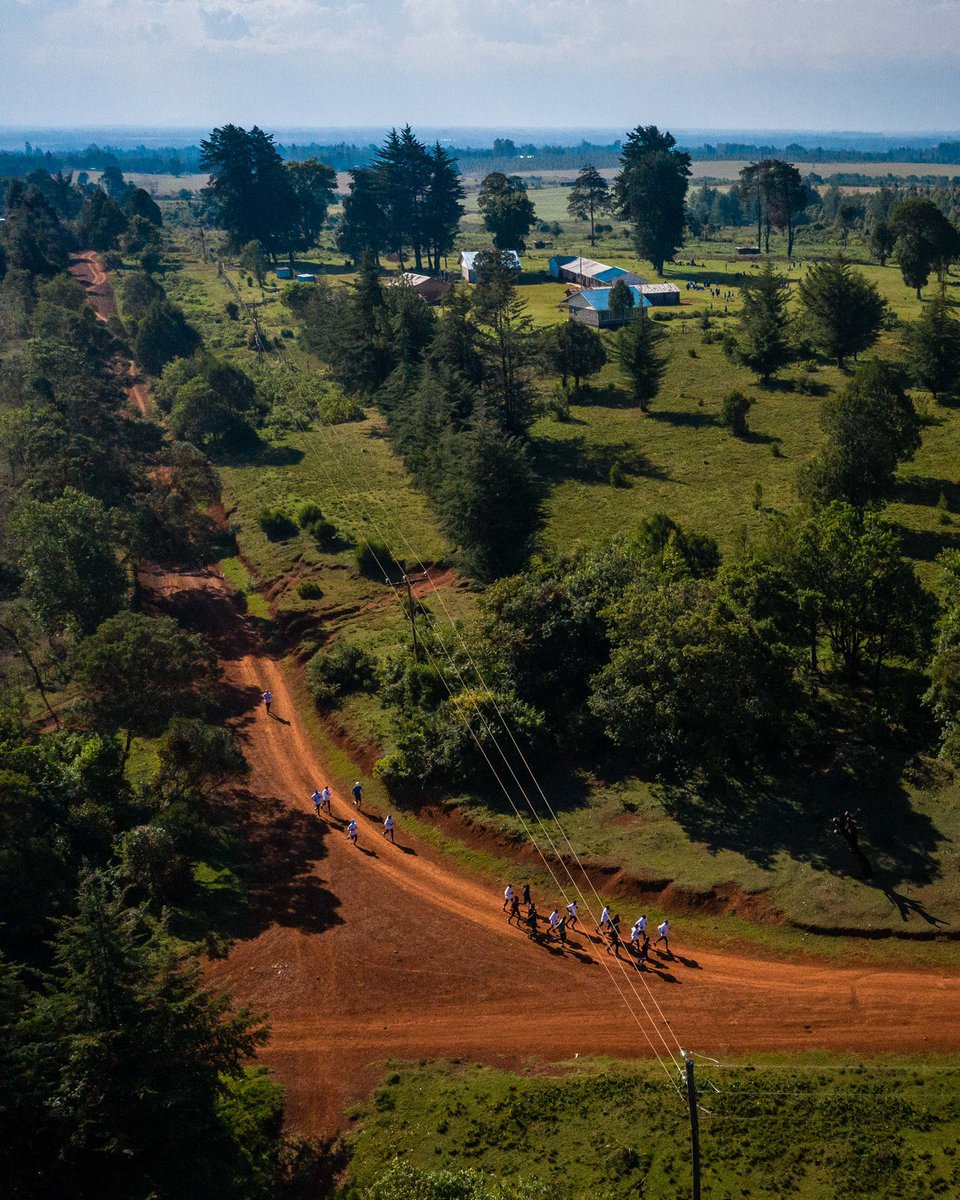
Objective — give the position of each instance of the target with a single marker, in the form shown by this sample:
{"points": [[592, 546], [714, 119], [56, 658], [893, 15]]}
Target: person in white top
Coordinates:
{"points": [[388, 827], [553, 921], [641, 923], [663, 930], [317, 799], [635, 934], [572, 913], [325, 798], [507, 896], [604, 919], [352, 832], [267, 701]]}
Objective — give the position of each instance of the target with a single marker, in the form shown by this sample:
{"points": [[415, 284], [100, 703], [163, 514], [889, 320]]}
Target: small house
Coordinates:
{"points": [[284, 273], [306, 277], [468, 260], [748, 250], [429, 288], [558, 261], [661, 293], [591, 306], [588, 273]]}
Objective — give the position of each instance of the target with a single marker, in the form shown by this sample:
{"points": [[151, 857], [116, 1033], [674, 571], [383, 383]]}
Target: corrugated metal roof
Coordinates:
{"points": [[599, 298], [660, 287], [410, 277]]}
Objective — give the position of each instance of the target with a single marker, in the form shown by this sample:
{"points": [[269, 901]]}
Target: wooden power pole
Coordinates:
{"points": [[694, 1123]]}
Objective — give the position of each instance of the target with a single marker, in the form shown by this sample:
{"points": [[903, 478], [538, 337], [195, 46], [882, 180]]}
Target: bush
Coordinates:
{"points": [[112, 261], [276, 524], [309, 589], [232, 309], [331, 673], [617, 476], [311, 520], [557, 404], [733, 412], [373, 559]]}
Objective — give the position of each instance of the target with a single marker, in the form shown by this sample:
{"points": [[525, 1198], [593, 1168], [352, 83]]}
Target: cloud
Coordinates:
{"points": [[222, 25], [154, 34]]}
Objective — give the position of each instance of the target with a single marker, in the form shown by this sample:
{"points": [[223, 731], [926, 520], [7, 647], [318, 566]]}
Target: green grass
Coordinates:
{"points": [[809, 1128]]}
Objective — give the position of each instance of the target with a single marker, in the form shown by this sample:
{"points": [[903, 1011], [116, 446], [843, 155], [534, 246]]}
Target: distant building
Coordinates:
{"points": [[284, 273], [306, 277], [591, 306], [661, 293], [588, 273], [469, 257], [428, 287]]}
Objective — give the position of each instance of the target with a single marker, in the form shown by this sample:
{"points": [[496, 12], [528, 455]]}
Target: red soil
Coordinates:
{"points": [[379, 951]]}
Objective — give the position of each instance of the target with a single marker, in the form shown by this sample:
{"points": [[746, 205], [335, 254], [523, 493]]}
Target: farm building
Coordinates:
{"points": [[428, 287], [592, 307], [661, 293], [587, 272], [469, 257], [284, 273]]}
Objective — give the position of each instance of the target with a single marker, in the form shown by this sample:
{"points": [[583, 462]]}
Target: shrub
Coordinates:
{"points": [[733, 412], [557, 404], [309, 589], [331, 673], [112, 261], [311, 520], [373, 559], [617, 476], [232, 309], [276, 524]]}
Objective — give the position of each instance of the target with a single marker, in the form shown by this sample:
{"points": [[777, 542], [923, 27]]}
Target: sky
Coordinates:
{"points": [[884, 65]]}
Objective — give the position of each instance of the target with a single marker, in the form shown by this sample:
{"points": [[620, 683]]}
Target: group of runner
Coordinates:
{"points": [[558, 924], [321, 800]]}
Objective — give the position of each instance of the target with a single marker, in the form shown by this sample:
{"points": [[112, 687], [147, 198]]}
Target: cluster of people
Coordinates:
{"points": [[321, 800], [522, 911]]}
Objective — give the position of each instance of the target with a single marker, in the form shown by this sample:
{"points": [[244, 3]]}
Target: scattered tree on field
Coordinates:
{"points": [[650, 192], [882, 242], [843, 311], [925, 239], [762, 342], [574, 351], [589, 197], [507, 211], [636, 351], [934, 344], [621, 302]]}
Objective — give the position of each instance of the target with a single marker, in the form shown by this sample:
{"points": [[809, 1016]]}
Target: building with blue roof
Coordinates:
{"points": [[592, 307]]}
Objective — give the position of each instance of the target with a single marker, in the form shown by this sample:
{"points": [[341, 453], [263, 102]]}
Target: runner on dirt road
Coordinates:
{"points": [[352, 832], [388, 828], [317, 799], [325, 799], [357, 793], [507, 896], [663, 931], [267, 701]]}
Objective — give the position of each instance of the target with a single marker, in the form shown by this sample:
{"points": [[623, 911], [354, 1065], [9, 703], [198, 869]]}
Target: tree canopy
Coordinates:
{"points": [[650, 192]]}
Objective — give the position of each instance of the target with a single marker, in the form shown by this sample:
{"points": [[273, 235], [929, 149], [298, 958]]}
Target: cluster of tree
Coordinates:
{"points": [[456, 392], [211, 403], [157, 328], [651, 649], [776, 193], [254, 195], [409, 198]]}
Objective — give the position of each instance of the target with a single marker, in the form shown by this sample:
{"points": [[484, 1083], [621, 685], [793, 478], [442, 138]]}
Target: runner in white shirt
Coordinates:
{"points": [[635, 934], [663, 929], [553, 920], [352, 832], [507, 896], [388, 827], [572, 913], [604, 919], [641, 923], [325, 795]]}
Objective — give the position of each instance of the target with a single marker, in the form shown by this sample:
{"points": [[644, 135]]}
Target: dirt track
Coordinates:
{"points": [[366, 953], [88, 269]]}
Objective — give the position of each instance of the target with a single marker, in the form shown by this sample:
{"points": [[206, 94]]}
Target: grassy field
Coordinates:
{"points": [[678, 460], [808, 1128]]}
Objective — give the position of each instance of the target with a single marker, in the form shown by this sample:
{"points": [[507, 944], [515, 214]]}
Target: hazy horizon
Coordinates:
{"points": [[867, 65]]}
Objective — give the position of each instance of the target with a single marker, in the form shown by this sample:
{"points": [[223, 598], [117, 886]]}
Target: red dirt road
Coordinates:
{"points": [[360, 954], [88, 270]]}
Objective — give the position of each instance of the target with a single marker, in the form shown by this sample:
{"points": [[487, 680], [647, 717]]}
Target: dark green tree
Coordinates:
{"points": [[138, 672], [506, 341], [574, 351], [253, 260], [925, 239], [139, 203], [871, 427], [651, 190], [250, 193], [101, 222], [882, 242], [68, 557], [762, 333], [314, 187], [35, 240], [363, 226], [163, 333], [934, 344], [490, 506], [507, 211], [589, 197], [636, 351], [621, 302], [443, 206], [842, 309]]}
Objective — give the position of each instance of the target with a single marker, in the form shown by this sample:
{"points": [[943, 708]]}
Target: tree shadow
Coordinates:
{"points": [[924, 545], [560, 459], [692, 420], [259, 454]]}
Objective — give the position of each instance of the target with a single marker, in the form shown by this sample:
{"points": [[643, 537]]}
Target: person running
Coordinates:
{"points": [[572, 914], [644, 954], [317, 799], [357, 793], [553, 921], [532, 921], [562, 930], [614, 940], [514, 910], [508, 896], [663, 934], [641, 924], [388, 828], [267, 701], [604, 919], [325, 798], [635, 935], [352, 832], [526, 894]]}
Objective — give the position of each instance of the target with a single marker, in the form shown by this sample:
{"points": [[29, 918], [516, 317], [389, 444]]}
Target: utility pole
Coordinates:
{"points": [[411, 611], [691, 1101], [694, 1123]]}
